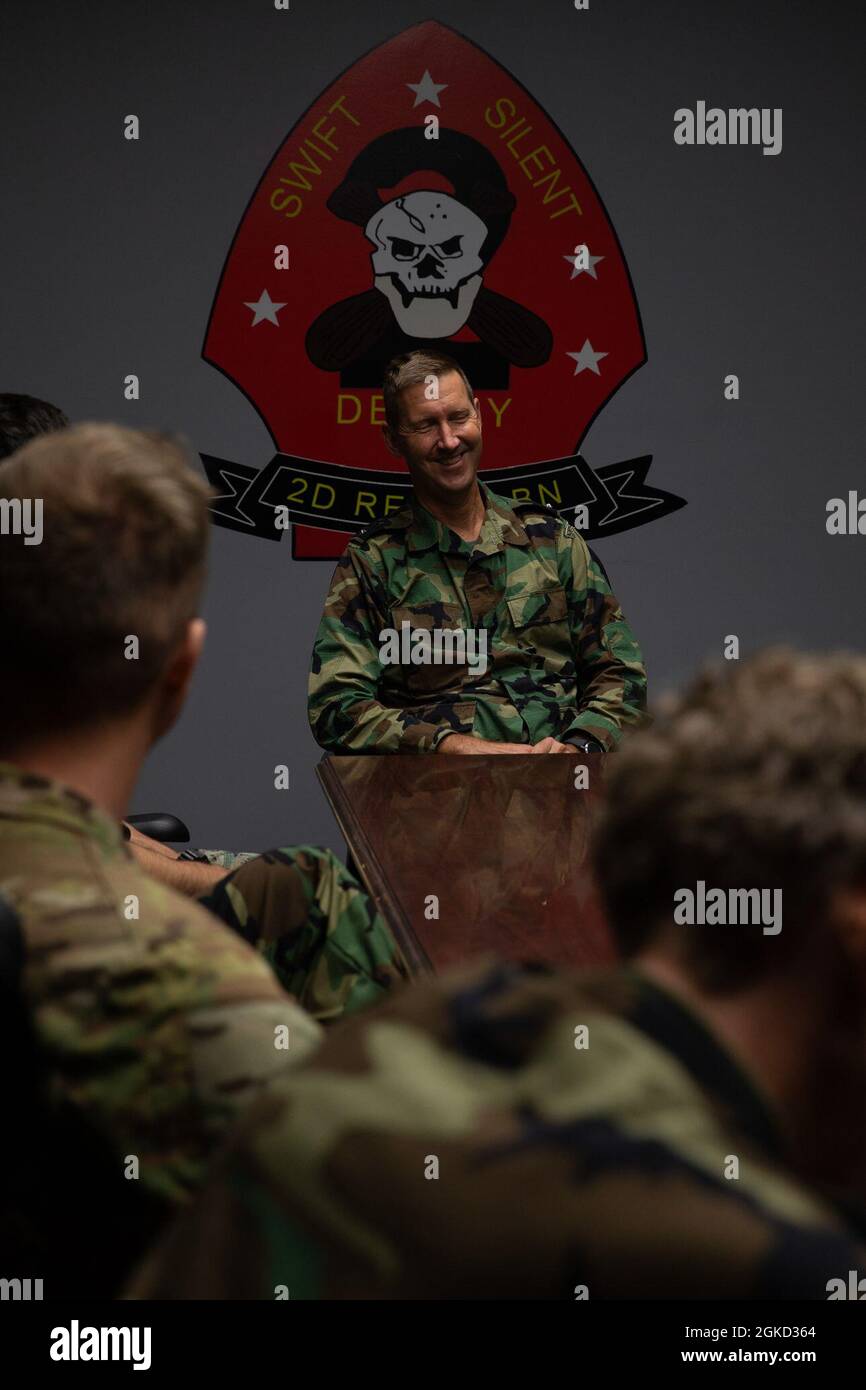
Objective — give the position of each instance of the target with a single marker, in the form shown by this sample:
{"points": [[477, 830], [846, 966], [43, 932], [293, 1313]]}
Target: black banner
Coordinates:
{"points": [[336, 498], [167, 1341]]}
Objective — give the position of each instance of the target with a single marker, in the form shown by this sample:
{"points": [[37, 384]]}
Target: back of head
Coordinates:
{"points": [[754, 778], [22, 418], [118, 554]]}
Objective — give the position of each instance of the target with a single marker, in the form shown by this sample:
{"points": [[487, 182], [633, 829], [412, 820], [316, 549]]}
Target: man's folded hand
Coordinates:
{"points": [[468, 744], [552, 745]]}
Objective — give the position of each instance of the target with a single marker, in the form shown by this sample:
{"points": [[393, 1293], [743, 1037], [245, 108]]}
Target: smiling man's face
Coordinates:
{"points": [[439, 440]]}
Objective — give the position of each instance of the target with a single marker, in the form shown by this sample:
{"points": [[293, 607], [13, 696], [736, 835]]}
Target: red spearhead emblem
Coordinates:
{"points": [[424, 200]]}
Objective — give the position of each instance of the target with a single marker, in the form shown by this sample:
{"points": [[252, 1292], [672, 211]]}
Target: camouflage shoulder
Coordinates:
{"points": [[381, 529], [541, 515]]}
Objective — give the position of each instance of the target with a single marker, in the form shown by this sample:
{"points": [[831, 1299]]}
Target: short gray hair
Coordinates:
{"points": [[411, 369]]}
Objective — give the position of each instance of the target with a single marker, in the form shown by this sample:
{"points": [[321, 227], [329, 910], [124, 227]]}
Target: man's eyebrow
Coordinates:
{"points": [[429, 419], [455, 410]]}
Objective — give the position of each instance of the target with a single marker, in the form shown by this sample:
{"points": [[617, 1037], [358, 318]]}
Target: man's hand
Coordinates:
{"points": [[163, 863], [550, 745], [185, 875], [136, 838], [469, 744]]}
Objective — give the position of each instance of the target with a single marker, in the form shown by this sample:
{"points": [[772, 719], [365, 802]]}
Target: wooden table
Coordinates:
{"points": [[497, 845]]}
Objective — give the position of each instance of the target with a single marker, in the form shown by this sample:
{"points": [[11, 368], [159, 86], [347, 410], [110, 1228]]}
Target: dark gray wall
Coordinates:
{"points": [[742, 263]]}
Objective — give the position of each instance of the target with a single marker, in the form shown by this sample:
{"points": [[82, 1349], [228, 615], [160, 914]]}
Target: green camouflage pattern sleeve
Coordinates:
{"points": [[345, 710], [609, 663], [316, 927], [154, 1018], [161, 1030]]}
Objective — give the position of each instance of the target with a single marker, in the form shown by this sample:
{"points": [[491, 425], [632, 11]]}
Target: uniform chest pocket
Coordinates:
{"points": [[431, 646], [542, 607], [430, 615]]}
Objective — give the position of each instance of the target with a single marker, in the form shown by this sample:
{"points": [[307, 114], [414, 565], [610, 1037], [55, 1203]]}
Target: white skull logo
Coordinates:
{"points": [[427, 261]]}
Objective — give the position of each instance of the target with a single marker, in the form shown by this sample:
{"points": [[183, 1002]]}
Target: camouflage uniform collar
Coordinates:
{"points": [[662, 1017], [501, 527], [31, 797]]}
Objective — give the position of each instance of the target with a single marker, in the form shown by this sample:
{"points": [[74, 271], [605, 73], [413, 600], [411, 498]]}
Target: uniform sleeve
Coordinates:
{"points": [[610, 670], [345, 711], [161, 1028], [316, 927]]}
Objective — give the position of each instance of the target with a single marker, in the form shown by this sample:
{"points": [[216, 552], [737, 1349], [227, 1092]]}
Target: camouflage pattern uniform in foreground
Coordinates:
{"points": [[162, 1027], [562, 1171], [562, 661]]}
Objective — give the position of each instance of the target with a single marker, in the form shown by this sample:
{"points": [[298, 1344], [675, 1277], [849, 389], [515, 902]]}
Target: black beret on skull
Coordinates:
{"points": [[362, 330], [474, 174]]}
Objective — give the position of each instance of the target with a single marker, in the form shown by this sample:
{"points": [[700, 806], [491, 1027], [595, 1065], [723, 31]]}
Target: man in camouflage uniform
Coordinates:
{"points": [[155, 1020], [563, 669], [690, 1125]]}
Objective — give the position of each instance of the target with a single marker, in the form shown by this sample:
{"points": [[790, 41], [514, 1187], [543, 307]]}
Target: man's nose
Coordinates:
{"points": [[448, 440]]}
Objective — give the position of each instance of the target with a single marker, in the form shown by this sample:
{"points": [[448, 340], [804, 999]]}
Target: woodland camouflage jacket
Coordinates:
{"points": [[561, 658], [501, 1133]]}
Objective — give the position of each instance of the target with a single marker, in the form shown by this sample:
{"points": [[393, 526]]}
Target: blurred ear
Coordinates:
{"points": [[176, 678], [848, 923]]}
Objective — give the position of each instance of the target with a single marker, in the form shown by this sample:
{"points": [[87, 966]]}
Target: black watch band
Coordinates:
{"points": [[585, 743]]}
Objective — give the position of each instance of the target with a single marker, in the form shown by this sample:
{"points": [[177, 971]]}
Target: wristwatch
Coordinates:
{"points": [[585, 744]]}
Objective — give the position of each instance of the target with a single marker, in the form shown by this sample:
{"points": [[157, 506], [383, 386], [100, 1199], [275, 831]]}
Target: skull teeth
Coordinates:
{"points": [[408, 296]]}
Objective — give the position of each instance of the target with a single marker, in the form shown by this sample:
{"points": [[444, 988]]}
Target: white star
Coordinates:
{"points": [[426, 90], [587, 358], [579, 269], [264, 309]]}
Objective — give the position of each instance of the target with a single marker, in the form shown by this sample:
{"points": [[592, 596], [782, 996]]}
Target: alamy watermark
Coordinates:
{"points": [[854, 1287], [20, 1290], [700, 906], [737, 126], [441, 646], [22, 516], [77, 1343]]}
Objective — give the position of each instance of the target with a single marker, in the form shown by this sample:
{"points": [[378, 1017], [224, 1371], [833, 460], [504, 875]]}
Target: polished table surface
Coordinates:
{"points": [[500, 840]]}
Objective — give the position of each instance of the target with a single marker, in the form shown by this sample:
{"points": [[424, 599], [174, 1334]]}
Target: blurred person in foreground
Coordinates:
{"points": [[22, 418], [687, 1125], [155, 1020]]}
